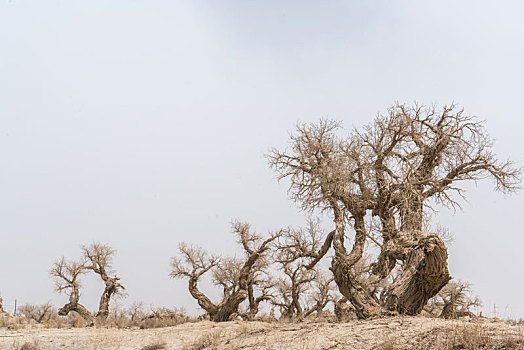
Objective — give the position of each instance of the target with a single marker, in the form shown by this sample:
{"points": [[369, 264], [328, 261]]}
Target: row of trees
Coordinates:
{"points": [[297, 291], [378, 184]]}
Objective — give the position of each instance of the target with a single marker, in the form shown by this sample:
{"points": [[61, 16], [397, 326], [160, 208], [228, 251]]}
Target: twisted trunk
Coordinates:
{"points": [[78, 308], [365, 303], [75, 306], [425, 271], [224, 311], [111, 288], [203, 301]]}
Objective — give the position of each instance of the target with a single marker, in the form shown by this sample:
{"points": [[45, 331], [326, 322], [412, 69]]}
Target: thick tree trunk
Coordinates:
{"points": [[78, 308], [110, 289], [75, 306], [229, 307], [424, 273]]}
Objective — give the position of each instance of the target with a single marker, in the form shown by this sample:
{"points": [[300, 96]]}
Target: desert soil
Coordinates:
{"points": [[390, 333]]}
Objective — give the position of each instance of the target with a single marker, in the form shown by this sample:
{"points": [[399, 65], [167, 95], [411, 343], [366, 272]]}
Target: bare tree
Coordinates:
{"points": [[320, 295], [457, 300], [98, 259], [259, 288], [233, 275], [294, 249], [136, 311], [39, 313], [66, 275], [390, 170]]}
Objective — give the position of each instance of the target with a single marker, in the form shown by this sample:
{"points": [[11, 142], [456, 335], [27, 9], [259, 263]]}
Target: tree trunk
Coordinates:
{"points": [[202, 299], [109, 291], [362, 300], [229, 307], [365, 303], [424, 273], [78, 308]]}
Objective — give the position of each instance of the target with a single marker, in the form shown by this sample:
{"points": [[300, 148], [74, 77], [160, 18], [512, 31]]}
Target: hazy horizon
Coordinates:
{"points": [[144, 124]]}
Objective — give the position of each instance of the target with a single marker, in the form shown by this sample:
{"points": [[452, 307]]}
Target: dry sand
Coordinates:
{"points": [[390, 333]]}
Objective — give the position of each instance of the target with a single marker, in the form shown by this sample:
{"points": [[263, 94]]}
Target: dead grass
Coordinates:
{"points": [[395, 333], [27, 346], [207, 341], [469, 336], [388, 344], [155, 346]]}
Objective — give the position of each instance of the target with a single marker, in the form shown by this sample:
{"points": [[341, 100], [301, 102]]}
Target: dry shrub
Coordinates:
{"points": [[43, 313], [27, 346], [164, 317], [76, 321], [12, 322], [155, 346], [469, 337], [388, 344], [207, 341], [325, 316]]}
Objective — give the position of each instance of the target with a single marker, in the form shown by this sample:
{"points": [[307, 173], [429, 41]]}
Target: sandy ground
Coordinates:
{"points": [[390, 333]]}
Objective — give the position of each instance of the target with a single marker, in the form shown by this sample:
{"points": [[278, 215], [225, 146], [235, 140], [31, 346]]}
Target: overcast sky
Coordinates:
{"points": [[144, 123]]}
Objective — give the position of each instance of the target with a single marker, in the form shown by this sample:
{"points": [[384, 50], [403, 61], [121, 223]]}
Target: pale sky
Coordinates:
{"points": [[144, 123]]}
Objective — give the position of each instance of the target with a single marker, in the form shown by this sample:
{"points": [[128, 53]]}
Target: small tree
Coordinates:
{"points": [[66, 275], [39, 313], [136, 311], [97, 258], [234, 276], [457, 300], [320, 294], [301, 290]]}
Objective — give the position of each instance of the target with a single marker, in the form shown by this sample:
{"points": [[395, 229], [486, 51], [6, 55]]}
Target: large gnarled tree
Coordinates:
{"points": [[390, 172]]}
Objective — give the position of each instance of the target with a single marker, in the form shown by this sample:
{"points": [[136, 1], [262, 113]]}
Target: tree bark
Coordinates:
{"points": [[78, 308], [425, 271]]}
